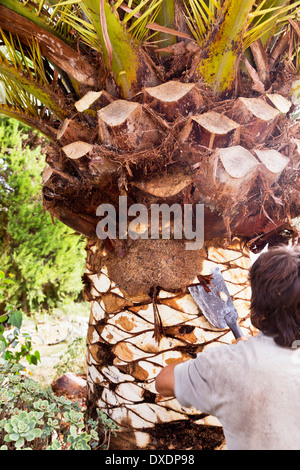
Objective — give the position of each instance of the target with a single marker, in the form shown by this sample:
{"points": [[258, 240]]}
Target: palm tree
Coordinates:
{"points": [[181, 102]]}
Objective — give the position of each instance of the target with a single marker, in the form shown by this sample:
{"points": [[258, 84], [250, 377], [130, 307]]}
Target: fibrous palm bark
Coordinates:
{"points": [[182, 125], [124, 358]]}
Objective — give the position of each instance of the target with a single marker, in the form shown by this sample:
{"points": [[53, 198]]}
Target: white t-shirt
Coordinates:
{"points": [[252, 387]]}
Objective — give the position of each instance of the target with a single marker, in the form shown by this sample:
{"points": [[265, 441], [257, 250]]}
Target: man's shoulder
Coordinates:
{"points": [[238, 352]]}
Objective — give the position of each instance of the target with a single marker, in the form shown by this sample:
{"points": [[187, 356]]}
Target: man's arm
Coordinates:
{"points": [[165, 381]]}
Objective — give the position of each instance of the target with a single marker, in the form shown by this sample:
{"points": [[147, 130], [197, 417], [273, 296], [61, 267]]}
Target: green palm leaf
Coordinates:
{"points": [[99, 25], [200, 16], [267, 22], [138, 28], [29, 62], [28, 91]]}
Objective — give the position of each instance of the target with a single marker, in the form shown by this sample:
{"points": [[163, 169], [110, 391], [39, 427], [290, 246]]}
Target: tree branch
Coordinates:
{"points": [[43, 127]]}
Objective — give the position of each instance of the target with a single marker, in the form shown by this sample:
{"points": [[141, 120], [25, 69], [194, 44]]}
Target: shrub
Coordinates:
{"points": [[46, 257]]}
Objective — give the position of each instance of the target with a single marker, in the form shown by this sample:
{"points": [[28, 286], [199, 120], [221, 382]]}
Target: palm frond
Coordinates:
{"points": [[137, 9], [18, 103], [42, 13], [82, 18], [217, 66], [99, 25], [29, 61], [157, 27], [18, 98], [134, 21], [18, 87], [264, 21], [17, 19], [268, 18], [22, 70], [139, 26], [85, 29], [165, 18]]}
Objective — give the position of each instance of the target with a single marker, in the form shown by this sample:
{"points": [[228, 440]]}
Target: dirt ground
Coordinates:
{"points": [[51, 336]]}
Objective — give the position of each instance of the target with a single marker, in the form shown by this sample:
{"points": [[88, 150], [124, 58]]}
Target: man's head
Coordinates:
{"points": [[275, 301]]}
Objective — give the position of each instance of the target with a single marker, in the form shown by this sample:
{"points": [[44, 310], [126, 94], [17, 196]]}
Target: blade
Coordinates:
{"points": [[217, 304]]}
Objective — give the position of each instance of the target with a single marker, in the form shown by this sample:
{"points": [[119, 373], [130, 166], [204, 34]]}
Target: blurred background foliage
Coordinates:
{"points": [[45, 258]]}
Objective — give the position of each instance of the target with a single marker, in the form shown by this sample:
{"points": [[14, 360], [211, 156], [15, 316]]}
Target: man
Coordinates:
{"points": [[253, 386]]}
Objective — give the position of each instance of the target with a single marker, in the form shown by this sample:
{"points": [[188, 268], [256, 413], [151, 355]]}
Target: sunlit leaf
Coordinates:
{"points": [[15, 319]]}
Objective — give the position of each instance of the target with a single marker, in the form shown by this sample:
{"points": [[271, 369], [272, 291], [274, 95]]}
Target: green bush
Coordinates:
{"points": [[47, 259]]}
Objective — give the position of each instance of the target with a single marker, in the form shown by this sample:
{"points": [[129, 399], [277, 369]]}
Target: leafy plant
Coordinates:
{"points": [[74, 418], [22, 427], [14, 345], [78, 441], [73, 357], [32, 417]]}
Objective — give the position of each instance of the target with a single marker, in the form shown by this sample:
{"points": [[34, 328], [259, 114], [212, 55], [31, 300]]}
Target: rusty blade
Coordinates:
{"points": [[215, 304]]}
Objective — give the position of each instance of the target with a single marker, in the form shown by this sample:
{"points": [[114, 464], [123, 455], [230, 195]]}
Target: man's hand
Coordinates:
{"points": [[165, 381], [243, 338]]}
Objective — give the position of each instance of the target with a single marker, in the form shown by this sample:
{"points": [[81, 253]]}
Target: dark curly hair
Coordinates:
{"points": [[275, 299]]}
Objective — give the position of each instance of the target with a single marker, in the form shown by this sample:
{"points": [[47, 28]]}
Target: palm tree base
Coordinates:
{"points": [[132, 336]]}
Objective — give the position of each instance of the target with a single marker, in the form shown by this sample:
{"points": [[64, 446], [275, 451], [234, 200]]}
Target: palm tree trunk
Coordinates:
{"points": [[123, 356]]}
